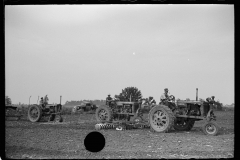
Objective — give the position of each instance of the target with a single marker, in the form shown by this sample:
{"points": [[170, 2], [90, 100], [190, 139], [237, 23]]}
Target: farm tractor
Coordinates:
{"points": [[53, 111], [162, 117]]}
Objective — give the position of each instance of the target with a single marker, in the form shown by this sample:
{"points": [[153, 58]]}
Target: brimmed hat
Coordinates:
{"points": [[165, 89]]}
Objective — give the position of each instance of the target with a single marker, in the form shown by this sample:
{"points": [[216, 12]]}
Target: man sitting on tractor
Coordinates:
{"points": [[164, 96], [164, 99], [108, 100], [41, 102], [45, 101], [151, 100]]}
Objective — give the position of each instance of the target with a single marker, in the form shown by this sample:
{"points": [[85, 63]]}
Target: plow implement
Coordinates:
{"points": [[125, 125], [12, 111]]}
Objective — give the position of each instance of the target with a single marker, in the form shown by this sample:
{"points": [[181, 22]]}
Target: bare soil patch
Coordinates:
{"points": [[24, 139]]}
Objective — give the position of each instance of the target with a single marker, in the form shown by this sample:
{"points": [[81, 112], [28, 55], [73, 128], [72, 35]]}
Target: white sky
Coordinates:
{"points": [[86, 51]]}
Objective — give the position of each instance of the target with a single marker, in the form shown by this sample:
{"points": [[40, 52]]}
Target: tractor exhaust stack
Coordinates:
{"points": [[196, 94], [29, 100], [60, 99]]}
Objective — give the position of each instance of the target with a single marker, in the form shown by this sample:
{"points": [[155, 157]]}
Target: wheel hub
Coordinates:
{"points": [[103, 114], [34, 112], [160, 119], [211, 129]]}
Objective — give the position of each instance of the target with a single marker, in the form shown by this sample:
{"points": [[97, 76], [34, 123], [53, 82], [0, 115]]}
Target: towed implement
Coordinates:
{"points": [[13, 111], [52, 111], [179, 116]]}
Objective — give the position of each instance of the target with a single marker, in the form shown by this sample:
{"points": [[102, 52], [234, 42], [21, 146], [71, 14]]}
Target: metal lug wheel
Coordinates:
{"points": [[103, 113], [34, 113], [59, 118], [161, 118]]}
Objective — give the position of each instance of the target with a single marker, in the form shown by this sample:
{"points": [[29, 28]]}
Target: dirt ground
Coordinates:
{"points": [[24, 139]]}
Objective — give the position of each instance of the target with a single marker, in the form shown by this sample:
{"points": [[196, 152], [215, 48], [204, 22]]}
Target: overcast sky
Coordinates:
{"points": [[89, 51]]}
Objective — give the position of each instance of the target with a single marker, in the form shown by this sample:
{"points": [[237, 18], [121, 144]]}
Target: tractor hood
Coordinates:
{"points": [[189, 102], [121, 103]]}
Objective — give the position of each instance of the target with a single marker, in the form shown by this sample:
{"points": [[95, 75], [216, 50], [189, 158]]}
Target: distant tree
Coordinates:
{"points": [[8, 100], [132, 92], [187, 99]]}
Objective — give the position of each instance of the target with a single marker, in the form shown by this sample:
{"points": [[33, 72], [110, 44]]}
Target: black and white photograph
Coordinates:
{"points": [[119, 81]]}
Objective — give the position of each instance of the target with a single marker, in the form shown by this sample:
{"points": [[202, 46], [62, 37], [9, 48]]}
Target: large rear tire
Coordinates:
{"points": [[103, 113], [34, 113], [183, 124], [161, 119]]}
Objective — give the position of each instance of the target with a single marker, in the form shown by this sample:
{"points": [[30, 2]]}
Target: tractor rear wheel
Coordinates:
{"points": [[103, 113], [183, 124], [34, 113], [161, 118]]}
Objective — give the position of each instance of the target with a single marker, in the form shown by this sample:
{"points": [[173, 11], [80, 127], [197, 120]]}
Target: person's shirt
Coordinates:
{"points": [[208, 99], [152, 101], [46, 99], [145, 101], [41, 101], [163, 96], [109, 98], [211, 101]]}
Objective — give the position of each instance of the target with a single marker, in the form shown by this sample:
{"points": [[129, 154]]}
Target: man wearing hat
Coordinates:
{"points": [[108, 99], [208, 105], [151, 100], [164, 96], [212, 102], [41, 101], [45, 100]]}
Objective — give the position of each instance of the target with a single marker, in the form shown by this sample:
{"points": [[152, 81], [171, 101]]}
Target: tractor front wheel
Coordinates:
{"points": [[59, 118], [210, 128], [34, 113], [52, 117]]}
